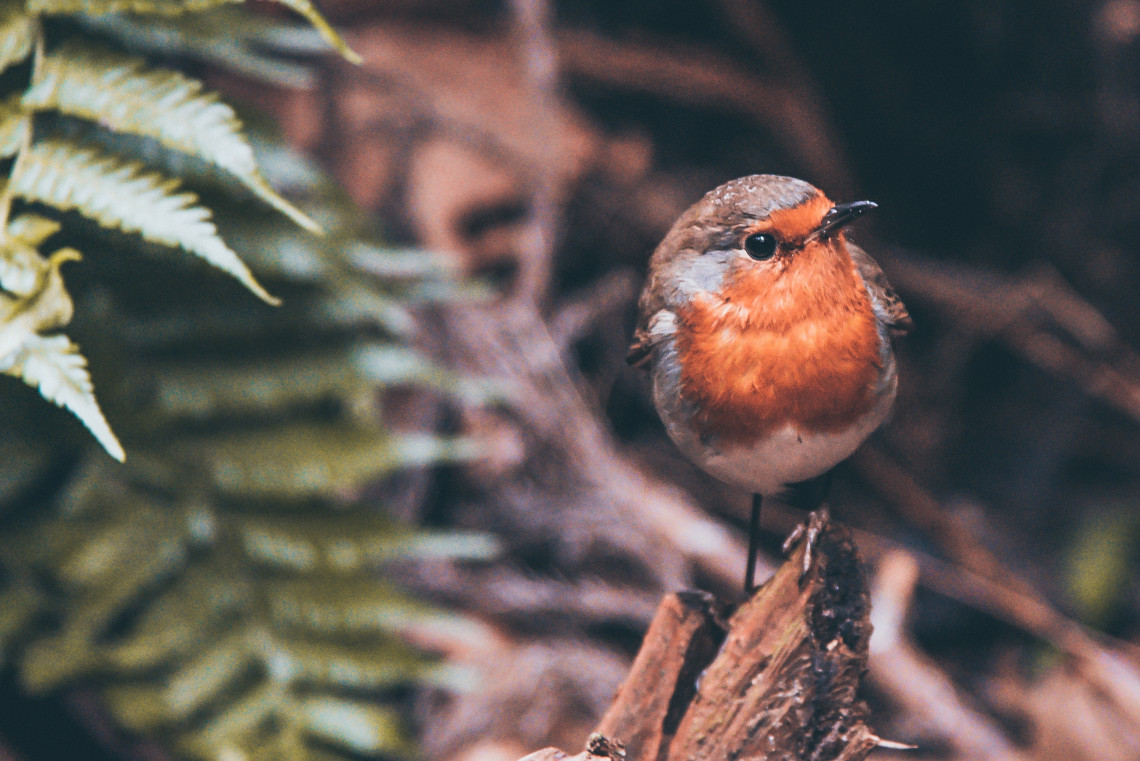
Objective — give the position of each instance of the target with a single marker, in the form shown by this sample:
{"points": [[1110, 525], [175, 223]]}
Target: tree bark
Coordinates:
{"points": [[775, 680]]}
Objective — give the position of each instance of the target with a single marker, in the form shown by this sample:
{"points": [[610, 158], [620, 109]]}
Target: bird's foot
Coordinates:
{"points": [[808, 533]]}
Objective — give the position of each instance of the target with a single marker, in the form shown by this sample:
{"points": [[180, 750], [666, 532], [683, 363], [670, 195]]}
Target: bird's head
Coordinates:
{"points": [[761, 237]]}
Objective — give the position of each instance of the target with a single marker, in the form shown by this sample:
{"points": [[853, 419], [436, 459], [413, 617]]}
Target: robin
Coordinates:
{"points": [[768, 338]]}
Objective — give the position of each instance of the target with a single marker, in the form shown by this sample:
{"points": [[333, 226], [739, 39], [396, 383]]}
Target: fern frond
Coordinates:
{"points": [[223, 592], [33, 229], [124, 197], [52, 365], [17, 34], [44, 306], [100, 550], [19, 603], [312, 459], [351, 543], [344, 607], [257, 386], [97, 7], [356, 726], [122, 94], [230, 37], [22, 269], [14, 125], [388, 663], [178, 7], [399, 264], [313, 16]]}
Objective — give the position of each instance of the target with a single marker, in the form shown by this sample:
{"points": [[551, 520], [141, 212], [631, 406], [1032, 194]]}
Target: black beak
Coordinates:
{"points": [[839, 217]]}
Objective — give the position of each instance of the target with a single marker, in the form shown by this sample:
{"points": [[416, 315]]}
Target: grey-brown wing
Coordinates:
{"points": [[640, 349], [648, 305], [887, 303]]}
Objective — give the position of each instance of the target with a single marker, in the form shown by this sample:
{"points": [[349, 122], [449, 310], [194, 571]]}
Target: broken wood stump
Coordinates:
{"points": [[776, 679]]}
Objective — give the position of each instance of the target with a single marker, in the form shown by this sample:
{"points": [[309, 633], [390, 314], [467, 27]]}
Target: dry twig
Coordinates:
{"points": [[533, 20]]}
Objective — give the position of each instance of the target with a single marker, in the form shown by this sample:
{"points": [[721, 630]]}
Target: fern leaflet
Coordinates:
{"points": [[161, 7], [40, 302], [32, 229], [123, 196], [177, 7], [306, 9], [54, 366], [122, 94], [17, 34], [50, 364], [14, 125]]}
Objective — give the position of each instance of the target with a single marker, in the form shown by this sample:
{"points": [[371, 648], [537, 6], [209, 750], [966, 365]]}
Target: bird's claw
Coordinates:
{"points": [[808, 533]]}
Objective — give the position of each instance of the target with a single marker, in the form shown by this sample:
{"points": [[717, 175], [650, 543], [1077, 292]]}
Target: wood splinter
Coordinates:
{"points": [[777, 679]]}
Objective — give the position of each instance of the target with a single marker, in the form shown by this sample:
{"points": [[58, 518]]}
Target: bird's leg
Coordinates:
{"points": [[809, 495], [753, 545], [809, 533]]}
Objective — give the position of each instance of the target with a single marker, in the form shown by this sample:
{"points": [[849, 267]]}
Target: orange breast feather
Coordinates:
{"points": [[795, 344]]}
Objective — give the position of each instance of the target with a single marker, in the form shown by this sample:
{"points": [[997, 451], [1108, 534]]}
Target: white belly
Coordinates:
{"points": [[786, 456]]}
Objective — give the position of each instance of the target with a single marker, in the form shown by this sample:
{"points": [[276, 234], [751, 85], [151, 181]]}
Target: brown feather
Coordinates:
{"points": [[898, 318], [640, 350]]}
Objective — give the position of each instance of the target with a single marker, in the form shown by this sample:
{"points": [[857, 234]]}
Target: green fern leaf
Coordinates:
{"points": [[14, 125], [258, 385], [177, 7], [103, 549], [308, 460], [230, 38], [22, 269], [54, 366], [124, 197], [223, 593], [33, 229], [17, 34], [350, 543], [122, 94], [204, 677], [345, 607], [313, 16], [173, 626], [19, 603], [354, 725], [161, 7], [387, 663]]}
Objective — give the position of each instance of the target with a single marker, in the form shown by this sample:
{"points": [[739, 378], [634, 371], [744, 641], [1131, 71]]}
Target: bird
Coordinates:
{"points": [[769, 339]]}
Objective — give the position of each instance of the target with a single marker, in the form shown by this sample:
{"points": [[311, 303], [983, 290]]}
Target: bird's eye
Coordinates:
{"points": [[760, 246]]}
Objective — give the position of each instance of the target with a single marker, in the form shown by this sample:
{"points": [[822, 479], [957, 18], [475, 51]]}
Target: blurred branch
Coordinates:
{"points": [[985, 583], [573, 460], [578, 314], [1024, 313], [521, 599], [532, 21], [699, 77], [917, 683], [756, 25]]}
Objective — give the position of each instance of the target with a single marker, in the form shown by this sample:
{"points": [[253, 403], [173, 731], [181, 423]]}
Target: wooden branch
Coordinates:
{"points": [[682, 640], [776, 680]]}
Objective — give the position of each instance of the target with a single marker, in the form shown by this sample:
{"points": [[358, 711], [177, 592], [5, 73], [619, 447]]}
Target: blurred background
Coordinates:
{"points": [[470, 577]]}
